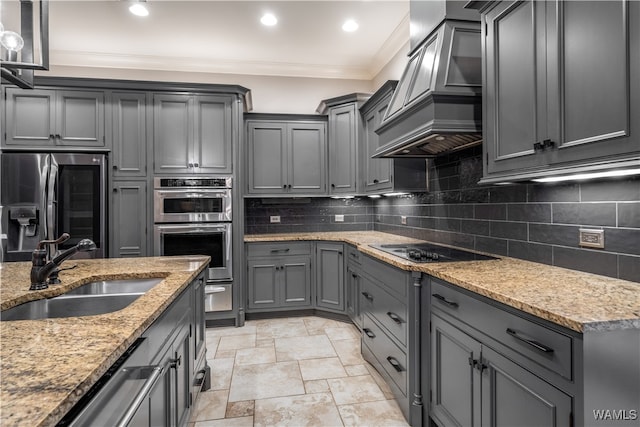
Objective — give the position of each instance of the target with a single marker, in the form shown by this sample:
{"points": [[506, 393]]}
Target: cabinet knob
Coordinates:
{"points": [[375, 181], [115, 190], [58, 136], [115, 168], [52, 136], [333, 186], [196, 165], [367, 296], [547, 143], [284, 185], [190, 165], [289, 186]]}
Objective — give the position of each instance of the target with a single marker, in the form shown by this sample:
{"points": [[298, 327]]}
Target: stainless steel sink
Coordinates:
{"points": [[69, 306], [127, 286]]}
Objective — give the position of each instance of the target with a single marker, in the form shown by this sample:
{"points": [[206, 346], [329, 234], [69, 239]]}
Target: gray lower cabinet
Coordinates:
{"points": [[286, 157], [550, 105], [128, 219], [279, 281], [330, 277], [129, 134], [49, 118], [192, 133], [352, 286]]}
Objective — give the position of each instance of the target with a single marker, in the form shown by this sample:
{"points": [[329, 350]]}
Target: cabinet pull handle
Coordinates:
{"points": [[58, 136], [354, 275], [548, 143], [394, 362], [52, 136], [375, 181], [367, 296], [196, 165], [353, 254], [538, 146], [394, 317], [368, 333], [443, 300], [174, 363], [533, 343], [333, 186], [273, 251], [115, 168]]}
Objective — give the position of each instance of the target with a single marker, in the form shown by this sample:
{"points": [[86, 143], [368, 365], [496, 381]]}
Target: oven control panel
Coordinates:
{"points": [[193, 182]]}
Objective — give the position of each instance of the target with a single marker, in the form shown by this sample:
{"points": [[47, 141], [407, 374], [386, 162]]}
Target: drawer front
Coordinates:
{"points": [[533, 342], [385, 308], [277, 249], [392, 358], [353, 254], [393, 279]]}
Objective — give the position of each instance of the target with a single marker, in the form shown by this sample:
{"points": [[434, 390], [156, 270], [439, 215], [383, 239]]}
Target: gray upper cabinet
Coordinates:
{"points": [[50, 118], [378, 173], [192, 133], [330, 278], [129, 156], [551, 104], [344, 129], [286, 157]]}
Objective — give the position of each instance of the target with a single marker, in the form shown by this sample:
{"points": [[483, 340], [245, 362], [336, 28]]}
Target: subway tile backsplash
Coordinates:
{"points": [[535, 222]]}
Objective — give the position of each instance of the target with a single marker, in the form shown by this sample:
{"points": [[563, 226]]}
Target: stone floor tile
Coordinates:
{"points": [[230, 331], [308, 347], [355, 390], [355, 370], [211, 405], [316, 369], [317, 325], [251, 382], [254, 356], [380, 381], [316, 409], [348, 351], [221, 370], [211, 342], [240, 409], [373, 414], [279, 328], [265, 342], [234, 342], [316, 386], [227, 422], [225, 354], [335, 334]]}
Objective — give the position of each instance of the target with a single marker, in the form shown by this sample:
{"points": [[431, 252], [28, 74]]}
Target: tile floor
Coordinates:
{"points": [[299, 371]]}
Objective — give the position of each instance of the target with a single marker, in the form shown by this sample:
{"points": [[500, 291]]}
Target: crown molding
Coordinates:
{"points": [[398, 38]]}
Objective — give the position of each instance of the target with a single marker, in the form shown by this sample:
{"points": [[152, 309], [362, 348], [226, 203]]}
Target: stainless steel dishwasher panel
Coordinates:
{"points": [[218, 297]]}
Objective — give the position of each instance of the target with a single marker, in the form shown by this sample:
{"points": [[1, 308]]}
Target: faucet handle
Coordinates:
{"points": [[63, 238]]}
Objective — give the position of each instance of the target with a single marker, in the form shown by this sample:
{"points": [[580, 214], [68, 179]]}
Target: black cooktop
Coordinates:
{"points": [[429, 252]]}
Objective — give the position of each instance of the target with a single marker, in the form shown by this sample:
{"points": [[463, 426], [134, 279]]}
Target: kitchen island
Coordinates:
{"points": [[48, 365]]}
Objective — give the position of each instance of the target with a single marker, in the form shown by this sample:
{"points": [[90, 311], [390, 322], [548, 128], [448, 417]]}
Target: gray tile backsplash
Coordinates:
{"points": [[536, 222]]}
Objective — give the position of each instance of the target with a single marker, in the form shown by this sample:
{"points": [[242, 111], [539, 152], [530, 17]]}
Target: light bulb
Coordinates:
{"points": [[139, 9], [269, 20], [11, 41], [350, 26]]}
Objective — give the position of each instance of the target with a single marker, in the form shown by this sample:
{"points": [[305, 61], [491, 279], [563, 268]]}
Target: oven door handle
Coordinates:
{"points": [[214, 289], [194, 193], [192, 229]]}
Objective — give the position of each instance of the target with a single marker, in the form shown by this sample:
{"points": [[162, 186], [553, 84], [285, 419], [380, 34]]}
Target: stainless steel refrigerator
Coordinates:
{"points": [[46, 194]]}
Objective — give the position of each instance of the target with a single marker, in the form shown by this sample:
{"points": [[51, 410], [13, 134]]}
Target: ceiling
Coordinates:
{"points": [[227, 36]]}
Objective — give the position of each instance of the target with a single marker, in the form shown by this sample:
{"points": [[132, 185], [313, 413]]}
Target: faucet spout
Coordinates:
{"points": [[41, 270]]}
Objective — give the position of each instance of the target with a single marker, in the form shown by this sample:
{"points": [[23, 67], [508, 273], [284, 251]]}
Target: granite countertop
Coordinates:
{"points": [[579, 301], [48, 365]]}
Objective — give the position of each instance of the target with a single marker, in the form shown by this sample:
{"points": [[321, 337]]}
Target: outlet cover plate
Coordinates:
{"points": [[274, 218], [591, 238], [403, 220], [339, 218]]}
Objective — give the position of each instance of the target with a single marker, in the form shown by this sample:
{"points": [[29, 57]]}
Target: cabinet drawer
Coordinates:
{"points": [[277, 249], [529, 340], [353, 255], [385, 308], [393, 279], [390, 356]]}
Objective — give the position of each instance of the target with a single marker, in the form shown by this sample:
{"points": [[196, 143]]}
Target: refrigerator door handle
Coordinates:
{"points": [[51, 202]]}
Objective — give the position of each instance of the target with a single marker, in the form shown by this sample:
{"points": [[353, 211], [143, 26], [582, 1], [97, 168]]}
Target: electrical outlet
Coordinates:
{"points": [[403, 220], [274, 218], [592, 238], [339, 218]]}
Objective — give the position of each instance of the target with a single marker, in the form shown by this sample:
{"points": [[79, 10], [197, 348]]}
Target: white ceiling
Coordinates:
{"points": [[227, 37]]}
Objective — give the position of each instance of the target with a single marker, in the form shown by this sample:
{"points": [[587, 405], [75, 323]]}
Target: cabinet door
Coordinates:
{"points": [[267, 157], [593, 91], [29, 117], [515, 86], [80, 118], [378, 172], [330, 276], [512, 396], [129, 134], [182, 366], [262, 280], [307, 152], [161, 396], [351, 300], [199, 327], [343, 141], [455, 381], [213, 134], [129, 219], [172, 133], [295, 281]]}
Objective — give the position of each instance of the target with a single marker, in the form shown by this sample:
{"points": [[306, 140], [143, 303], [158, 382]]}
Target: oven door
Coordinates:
{"points": [[192, 205], [213, 240]]}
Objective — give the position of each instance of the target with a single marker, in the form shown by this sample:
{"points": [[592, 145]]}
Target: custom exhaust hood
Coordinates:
{"points": [[437, 106]]}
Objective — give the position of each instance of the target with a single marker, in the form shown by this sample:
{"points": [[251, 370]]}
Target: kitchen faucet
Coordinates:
{"points": [[41, 269]]}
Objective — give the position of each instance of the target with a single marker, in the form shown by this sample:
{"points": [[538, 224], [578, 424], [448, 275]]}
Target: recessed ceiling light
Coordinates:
{"points": [[139, 9], [269, 19], [350, 26]]}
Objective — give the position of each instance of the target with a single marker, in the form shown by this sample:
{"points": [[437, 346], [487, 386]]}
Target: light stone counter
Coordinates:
{"points": [[48, 365], [573, 299]]}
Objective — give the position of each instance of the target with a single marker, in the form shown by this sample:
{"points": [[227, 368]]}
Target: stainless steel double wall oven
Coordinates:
{"points": [[192, 216]]}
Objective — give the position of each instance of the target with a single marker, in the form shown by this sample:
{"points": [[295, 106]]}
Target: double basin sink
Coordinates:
{"points": [[93, 298]]}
